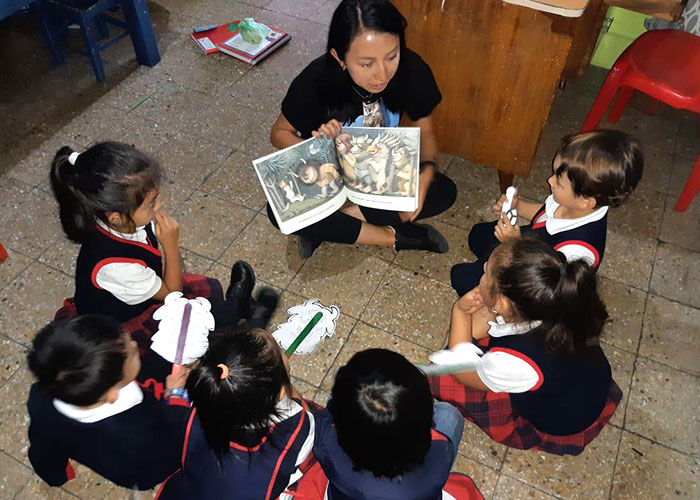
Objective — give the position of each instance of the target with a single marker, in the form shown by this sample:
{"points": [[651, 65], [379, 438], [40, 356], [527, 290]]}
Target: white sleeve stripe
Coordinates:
{"points": [[575, 251]]}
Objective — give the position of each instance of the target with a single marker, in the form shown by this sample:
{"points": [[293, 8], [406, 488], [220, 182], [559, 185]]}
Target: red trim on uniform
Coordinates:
{"points": [[162, 486], [537, 225], [596, 255], [529, 361], [70, 473], [284, 453], [177, 401], [145, 246], [254, 448], [187, 437], [113, 260], [436, 436]]}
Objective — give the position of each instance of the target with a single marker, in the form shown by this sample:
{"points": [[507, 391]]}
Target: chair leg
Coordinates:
{"points": [[690, 189], [41, 13], [602, 101], [102, 28], [91, 45], [618, 107]]}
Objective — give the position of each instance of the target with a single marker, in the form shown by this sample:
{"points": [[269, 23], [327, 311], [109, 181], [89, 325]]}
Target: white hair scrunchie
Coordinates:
{"points": [[73, 157]]}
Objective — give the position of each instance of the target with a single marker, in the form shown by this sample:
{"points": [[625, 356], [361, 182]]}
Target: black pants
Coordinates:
{"points": [[342, 228], [464, 277]]}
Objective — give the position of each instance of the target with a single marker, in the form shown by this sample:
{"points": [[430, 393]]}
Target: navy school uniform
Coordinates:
{"points": [[104, 248], [583, 238], [424, 483], [263, 472], [135, 448]]}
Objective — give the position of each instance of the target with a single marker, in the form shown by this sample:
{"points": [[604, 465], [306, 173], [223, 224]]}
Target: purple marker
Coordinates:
{"points": [[203, 28]]}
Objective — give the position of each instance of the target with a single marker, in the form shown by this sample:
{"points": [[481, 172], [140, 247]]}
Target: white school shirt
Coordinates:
{"points": [[555, 225], [129, 396], [503, 372], [130, 282]]}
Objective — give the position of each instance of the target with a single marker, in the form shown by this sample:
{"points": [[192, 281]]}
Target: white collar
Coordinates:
{"points": [[139, 235], [555, 225], [500, 328], [129, 396], [286, 407]]}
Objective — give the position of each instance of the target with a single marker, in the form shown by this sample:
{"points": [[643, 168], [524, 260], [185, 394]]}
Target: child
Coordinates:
{"points": [[381, 436], [591, 172], [544, 383], [248, 433], [87, 406], [108, 199]]}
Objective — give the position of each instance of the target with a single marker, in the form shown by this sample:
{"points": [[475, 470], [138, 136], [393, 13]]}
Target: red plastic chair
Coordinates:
{"points": [[664, 64]]}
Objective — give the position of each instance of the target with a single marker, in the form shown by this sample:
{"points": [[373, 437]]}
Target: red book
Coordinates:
{"points": [[224, 39]]}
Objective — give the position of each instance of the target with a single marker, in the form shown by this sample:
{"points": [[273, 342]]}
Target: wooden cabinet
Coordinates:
{"points": [[497, 66]]}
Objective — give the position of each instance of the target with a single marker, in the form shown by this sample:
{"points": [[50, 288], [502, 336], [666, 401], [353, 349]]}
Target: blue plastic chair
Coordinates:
{"points": [[93, 17], [9, 7]]}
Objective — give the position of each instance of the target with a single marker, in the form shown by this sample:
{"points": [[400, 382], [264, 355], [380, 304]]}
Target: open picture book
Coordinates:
{"points": [[373, 167]]}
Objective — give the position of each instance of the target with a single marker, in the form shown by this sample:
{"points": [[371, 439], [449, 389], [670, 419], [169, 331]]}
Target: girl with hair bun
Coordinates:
{"points": [[544, 382], [249, 433]]}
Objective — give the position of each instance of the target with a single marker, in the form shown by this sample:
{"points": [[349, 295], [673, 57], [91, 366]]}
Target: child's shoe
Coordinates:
{"points": [[241, 287], [411, 236], [264, 308]]}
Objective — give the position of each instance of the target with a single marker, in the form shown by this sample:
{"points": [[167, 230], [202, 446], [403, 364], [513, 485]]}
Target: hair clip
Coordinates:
{"points": [[224, 370], [73, 157]]}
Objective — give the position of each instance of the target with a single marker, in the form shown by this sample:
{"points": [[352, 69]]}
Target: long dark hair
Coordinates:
{"points": [[238, 408], [383, 412], [79, 360], [542, 285], [349, 19], [108, 177]]}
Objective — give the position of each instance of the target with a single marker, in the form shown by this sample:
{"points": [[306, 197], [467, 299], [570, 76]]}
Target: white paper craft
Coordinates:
{"points": [[300, 316], [170, 317]]}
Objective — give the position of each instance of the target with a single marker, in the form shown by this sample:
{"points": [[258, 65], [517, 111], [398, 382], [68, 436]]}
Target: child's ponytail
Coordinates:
{"points": [[236, 387], [543, 286], [76, 219], [108, 177]]}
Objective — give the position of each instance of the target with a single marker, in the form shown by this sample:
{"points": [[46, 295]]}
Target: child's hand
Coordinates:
{"points": [[167, 229], [177, 380], [470, 302], [504, 231], [330, 129], [499, 203]]}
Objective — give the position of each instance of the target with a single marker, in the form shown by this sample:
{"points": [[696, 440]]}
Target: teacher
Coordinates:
{"points": [[368, 78]]}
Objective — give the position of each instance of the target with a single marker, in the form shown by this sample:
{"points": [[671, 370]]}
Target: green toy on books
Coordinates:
{"points": [[243, 39]]}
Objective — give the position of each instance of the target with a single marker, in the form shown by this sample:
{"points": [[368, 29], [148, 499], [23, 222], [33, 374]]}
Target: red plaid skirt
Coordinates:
{"points": [[143, 326], [493, 413]]}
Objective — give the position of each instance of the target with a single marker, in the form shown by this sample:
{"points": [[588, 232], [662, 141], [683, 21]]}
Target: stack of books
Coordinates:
{"points": [[227, 39]]}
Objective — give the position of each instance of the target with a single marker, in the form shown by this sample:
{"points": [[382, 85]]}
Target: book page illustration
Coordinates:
{"points": [[300, 181], [378, 163]]}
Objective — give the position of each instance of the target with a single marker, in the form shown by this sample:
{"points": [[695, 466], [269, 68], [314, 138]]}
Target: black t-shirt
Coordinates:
{"points": [[413, 90]]}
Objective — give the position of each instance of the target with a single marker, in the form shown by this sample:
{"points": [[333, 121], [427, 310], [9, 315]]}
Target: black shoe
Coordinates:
{"points": [[241, 286], [307, 247], [264, 308], [413, 236]]}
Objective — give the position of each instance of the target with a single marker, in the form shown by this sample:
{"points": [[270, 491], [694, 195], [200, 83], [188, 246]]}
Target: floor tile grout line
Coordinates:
{"points": [[337, 356], [689, 454], [617, 456]]}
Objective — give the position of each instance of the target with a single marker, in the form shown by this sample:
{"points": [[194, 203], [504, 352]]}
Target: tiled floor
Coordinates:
{"points": [[206, 117]]}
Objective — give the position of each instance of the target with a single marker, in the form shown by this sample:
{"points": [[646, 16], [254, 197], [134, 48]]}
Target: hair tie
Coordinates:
{"points": [[73, 157], [224, 370]]}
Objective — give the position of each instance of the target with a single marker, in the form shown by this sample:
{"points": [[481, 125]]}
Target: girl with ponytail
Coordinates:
{"points": [[543, 381], [248, 433], [129, 258]]}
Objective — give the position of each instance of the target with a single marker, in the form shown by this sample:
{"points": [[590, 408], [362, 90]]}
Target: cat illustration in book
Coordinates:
{"points": [[290, 194], [324, 176]]}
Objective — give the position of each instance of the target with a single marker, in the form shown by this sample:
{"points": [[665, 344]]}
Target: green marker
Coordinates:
{"points": [[304, 333]]}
